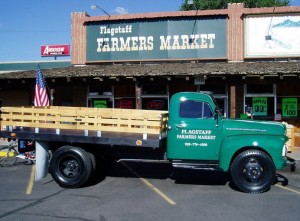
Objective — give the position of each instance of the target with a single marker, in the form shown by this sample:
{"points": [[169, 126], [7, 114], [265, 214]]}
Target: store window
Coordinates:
{"points": [[125, 96], [155, 96], [100, 95], [217, 90], [260, 101], [220, 94]]}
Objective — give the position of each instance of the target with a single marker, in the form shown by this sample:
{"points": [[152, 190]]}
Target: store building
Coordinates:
{"points": [[248, 59]]}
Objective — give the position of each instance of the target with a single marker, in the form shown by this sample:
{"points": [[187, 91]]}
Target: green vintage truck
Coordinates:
{"points": [[192, 135]]}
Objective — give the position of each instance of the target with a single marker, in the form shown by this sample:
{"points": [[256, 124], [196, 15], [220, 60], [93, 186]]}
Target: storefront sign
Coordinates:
{"points": [[289, 107], [259, 106], [157, 39], [55, 50]]}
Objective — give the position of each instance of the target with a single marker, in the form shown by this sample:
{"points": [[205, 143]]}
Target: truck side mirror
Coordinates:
{"points": [[217, 111], [217, 116]]}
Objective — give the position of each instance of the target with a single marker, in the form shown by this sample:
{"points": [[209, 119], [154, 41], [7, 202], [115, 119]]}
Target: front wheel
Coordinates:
{"points": [[253, 171], [71, 167]]}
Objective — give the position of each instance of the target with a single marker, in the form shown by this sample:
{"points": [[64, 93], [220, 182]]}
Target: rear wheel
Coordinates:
{"points": [[8, 156], [253, 171], [71, 167]]}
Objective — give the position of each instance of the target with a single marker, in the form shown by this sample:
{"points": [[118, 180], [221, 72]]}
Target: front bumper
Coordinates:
{"points": [[291, 164]]}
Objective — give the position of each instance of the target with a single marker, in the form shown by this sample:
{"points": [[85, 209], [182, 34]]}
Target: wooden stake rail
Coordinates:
{"points": [[83, 118]]}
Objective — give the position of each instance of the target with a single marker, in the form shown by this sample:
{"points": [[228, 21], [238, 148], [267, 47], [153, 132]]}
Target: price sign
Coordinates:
{"points": [[289, 107], [259, 106], [100, 103]]}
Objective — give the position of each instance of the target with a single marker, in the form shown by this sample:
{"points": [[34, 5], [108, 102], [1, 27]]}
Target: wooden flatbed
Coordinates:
{"points": [[128, 127]]}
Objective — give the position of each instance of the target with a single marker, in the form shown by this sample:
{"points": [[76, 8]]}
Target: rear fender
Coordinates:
{"points": [[272, 145], [42, 159]]}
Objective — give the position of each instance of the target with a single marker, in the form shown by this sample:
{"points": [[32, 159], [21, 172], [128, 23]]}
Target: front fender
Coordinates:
{"points": [[272, 145]]}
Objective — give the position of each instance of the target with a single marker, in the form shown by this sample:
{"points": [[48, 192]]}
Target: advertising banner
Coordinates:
{"points": [[259, 106], [272, 36], [190, 38], [289, 107], [55, 50]]}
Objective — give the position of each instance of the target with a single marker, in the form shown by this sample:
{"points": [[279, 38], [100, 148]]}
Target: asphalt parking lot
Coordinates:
{"points": [[145, 192]]}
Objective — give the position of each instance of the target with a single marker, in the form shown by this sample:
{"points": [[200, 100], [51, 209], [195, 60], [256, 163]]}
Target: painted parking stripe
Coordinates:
{"points": [[151, 186], [288, 189], [31, 181]]}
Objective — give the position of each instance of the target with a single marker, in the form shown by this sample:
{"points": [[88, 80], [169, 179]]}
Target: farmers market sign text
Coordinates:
{"points": [[152, 40]]}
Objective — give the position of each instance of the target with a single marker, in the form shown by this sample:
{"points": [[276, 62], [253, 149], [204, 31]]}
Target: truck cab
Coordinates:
{"points": [[195, 128]]}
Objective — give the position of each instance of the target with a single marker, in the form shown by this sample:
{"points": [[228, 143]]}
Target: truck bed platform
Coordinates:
{"points": [[85, 125]]}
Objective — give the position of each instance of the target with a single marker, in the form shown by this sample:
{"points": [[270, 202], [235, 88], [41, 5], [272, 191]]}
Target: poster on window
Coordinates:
{"points": [[155, 103], [100, 103], [289, 107], [125, 103], [260, 106]]}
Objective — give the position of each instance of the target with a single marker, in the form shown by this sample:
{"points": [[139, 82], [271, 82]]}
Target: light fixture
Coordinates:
{"points": [[96, 6], [261, 77], [187, 78], [281, 77], [243, 77]]}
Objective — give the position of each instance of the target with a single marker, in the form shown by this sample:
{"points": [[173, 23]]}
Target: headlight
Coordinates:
{"points": [[284, 150]]}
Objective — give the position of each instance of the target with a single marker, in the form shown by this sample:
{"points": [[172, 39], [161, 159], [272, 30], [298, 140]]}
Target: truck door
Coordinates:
{"points": [[193, 131]]}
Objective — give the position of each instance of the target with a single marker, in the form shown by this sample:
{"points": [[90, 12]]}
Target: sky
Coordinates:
{"points": [[26, 25]]}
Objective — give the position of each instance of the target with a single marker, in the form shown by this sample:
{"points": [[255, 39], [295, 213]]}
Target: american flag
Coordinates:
{"points": [[41, 96]]}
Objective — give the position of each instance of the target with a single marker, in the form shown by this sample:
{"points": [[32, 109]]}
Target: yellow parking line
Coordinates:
{"points": [[286, 188], [147, 183], [31, 181]]}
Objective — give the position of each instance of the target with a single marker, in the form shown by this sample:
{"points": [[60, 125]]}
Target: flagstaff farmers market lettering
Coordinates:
{"points": [[110, 43], [196, 134]]}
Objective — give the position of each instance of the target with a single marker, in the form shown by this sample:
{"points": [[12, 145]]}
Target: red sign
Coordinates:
{"points": [[55, 50]]}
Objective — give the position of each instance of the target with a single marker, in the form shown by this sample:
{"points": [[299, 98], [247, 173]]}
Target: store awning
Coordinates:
{"points": [[166, 69]]}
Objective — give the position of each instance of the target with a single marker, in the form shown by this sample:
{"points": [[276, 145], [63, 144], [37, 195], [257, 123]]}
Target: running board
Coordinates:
{"points": [[143, 161], [198, 165]]}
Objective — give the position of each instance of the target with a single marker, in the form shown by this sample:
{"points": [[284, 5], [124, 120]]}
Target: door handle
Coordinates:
{"points": [[180, 126]]}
